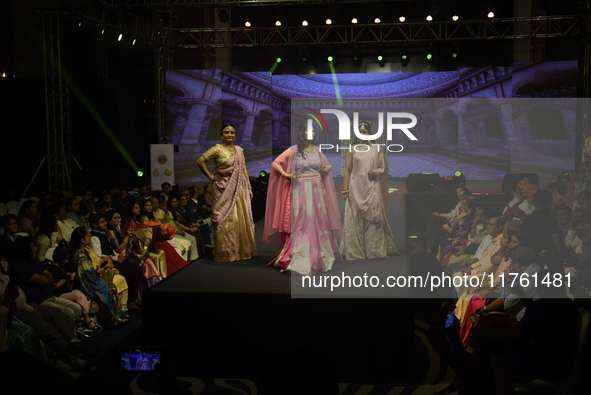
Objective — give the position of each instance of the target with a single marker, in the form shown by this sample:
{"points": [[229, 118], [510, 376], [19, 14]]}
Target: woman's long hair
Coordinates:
{"points": [[77, 235], [143, 203], [301, 130], [108, 217]]}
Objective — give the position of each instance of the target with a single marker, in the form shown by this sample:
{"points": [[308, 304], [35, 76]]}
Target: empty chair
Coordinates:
{"points": [[3, 209], [23, 200], [13, 204], [35, 199]]}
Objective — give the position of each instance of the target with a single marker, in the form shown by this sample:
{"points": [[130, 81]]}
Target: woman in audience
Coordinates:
{"points": [[583, 201], [302, 214], [190, 230], [232, 223], [28, 217], [47, 236], [367, 233], [63, 283], [118, 242], [96, 280]]}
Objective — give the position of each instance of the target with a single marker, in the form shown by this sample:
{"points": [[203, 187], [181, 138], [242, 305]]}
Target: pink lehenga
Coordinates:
{"points": [[367, 232], [231, 219], [302, 216]]}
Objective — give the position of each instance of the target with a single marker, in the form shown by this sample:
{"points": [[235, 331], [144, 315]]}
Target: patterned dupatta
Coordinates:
{"points": [[226, 190]]}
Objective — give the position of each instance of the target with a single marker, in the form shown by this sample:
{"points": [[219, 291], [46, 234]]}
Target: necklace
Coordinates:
{"points": [[228, 148], [309, 150]]}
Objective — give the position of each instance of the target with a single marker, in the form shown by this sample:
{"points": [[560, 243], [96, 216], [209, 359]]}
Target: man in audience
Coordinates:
{"points": [[478, 233], [10, 226], [192, 207], [107, 197], [144, 192], [583, 183], [73, 207], [101, 207]]}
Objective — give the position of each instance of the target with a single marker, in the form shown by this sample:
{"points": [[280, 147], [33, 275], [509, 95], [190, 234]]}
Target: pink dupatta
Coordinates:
{"points": [[225, 191], [278, 210]]}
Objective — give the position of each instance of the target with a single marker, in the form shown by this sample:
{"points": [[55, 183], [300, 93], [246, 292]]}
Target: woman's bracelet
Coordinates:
{"points": [[211, 177], [347, 191], [249, 187]]}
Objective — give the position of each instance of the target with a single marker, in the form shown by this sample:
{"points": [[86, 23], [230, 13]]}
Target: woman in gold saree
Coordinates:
{"points": [[231, 219]]}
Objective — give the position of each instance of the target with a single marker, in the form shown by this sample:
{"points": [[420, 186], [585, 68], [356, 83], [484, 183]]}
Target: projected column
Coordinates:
{"points": [[462, 140], [248, 125], [193, 130]]}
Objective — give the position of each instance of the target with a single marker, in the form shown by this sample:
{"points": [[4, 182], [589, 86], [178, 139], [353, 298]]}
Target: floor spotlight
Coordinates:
{"points": [[380, 57], [304, 55]]}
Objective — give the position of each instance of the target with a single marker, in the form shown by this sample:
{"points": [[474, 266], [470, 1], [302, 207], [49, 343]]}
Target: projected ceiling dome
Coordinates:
{"points": [[365, 85]]}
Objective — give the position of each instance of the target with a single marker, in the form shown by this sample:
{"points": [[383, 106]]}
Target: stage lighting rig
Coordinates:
{"points": [[459, 180], [376, 21], [429, 18], [402, 19], [354, 21], [455, 18], [247, 24], [329, 21], [491, 14], [277, 23], [304, 23]]}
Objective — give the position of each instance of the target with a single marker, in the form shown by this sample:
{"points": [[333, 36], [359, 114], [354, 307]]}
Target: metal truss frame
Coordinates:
{"points": [[57, 103], [220, 3], [489, 29]]}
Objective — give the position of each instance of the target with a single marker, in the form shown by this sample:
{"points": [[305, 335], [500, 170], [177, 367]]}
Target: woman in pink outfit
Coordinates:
{"points": [[302, 215]]}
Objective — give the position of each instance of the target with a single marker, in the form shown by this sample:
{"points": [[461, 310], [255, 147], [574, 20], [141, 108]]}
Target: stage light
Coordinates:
{"points": [[103, 32], [491, 14], [455, 50], [330, 58], [140, 173], [263, 173], [223, 16], [429, 18], [120, 37], [304, 23], [377, 20], [329, 22], [455, 18], [304, 55], [404, 55], [457, 173], [429, 56], [79, 24], [354, 20], [278, 23], [247, 24], [133, 42], [278, 60], [380, 57], [402, 19], [459, 180]]}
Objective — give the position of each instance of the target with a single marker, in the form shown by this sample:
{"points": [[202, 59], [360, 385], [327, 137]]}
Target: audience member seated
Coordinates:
{"points": [[50, 325], [583, 200], [28, 217], [101, 206], [468, 243], [183, 245], [509, 211], [73, 207], [10, 227], [101, 246], [63, 284], [47, 236], [35, 280], [489, 247], [184, 226], [105, 196], [96, 279], [527, 206], [440, 219]]}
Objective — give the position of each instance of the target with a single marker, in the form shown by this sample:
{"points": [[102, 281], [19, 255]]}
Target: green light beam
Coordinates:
{"points": [[337, 90]]}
